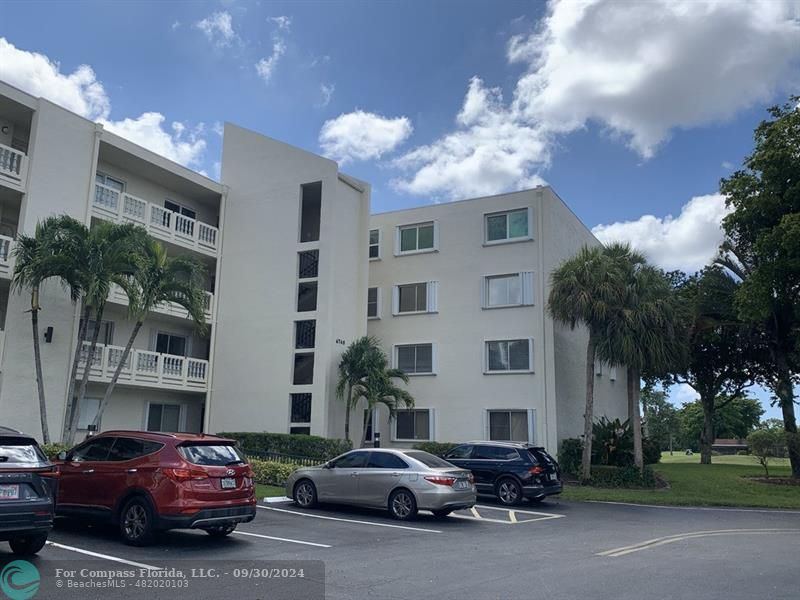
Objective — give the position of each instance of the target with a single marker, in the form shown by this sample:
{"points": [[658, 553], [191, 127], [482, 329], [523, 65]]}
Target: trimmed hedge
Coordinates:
{"points": [[271, 472], [622, 477], [308, 446], [436, 448]]}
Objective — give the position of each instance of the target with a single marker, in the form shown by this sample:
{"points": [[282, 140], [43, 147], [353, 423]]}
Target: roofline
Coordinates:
{"points": [[421, 206]]}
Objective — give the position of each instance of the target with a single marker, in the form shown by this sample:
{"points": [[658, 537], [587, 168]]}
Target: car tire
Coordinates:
{"points": [[28, 545], [221, 531], [136, 522], [402, 505], [305, 494], [441, 514], [509, 491]]}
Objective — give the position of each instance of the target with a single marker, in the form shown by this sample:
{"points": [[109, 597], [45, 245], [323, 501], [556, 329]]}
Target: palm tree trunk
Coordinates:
{"points": [[87, 311], [588, 415], [707, 434], [367, 418], [347, 408], [785, 394], [73, 425], [37, 359], [634, 415], [120, 365]]}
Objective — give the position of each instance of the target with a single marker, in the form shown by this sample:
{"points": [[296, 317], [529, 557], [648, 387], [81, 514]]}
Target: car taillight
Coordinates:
{"points": [[537, 470], [185, 474], [441, 480]]}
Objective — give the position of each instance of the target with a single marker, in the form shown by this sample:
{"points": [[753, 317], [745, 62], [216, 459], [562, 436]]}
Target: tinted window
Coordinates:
{"points": [[130, 448], [464, 451], [495, 453], [429, 460], [541, 456], [354, 460], [20, 451], [93, 450], [385, 460], [217, 455]]}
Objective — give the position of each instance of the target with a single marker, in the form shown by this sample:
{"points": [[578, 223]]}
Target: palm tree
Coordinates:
{"points": [[109, 254], [361, 357], [158, 279], [587, 290], [379, 388], [37, 258]]}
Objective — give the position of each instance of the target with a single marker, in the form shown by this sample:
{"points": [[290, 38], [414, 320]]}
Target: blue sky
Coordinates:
{"points": [[631, 111]]}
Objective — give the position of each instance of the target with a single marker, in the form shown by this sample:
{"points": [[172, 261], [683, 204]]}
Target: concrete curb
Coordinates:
{"points": [[275, 499]]}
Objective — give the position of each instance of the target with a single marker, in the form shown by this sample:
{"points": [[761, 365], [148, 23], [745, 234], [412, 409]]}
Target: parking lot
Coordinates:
{"points": [[554, 550]]}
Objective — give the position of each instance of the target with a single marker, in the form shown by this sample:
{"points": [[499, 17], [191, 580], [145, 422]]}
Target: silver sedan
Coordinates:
{"points": [[401, 481]]}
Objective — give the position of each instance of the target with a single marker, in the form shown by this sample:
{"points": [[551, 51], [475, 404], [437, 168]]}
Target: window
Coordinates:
{"points": [[130, 448], [181, 210], [96, 449], [513, 289], [373, 303], [303, 368], [414, 424], [508, 226], [420, 237], [211, 455], [509, 356], [105, 335], [23, 451], [310, 209], [385, 460], [304, 334], [509, 426], [163, 417], [429, 460], [374, 244], [300, 430], [307, 296], [301, 408], [169, 343], [496, 452], [415, 359], [111, 182], [308, 264], [415, 297], [464, 451], [351, 460], [89, 408]]}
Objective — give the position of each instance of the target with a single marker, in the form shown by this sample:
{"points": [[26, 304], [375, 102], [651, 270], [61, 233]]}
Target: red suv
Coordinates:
{"points": [[148, 481]]}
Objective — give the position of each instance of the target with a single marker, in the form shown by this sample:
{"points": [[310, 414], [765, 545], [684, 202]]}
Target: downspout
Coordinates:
{"points": [[538, 215]]}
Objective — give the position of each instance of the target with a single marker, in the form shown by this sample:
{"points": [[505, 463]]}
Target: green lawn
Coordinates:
{"points": [[263, 491], [692, 484]]}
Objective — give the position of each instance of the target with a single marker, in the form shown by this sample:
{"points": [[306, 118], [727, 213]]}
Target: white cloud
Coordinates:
{"points": [[176, 25], [726, 164], [266, 66], [639, 69], [326, 89], [282, 22], [362, 135], [82, 93], [687, 242], [218, 28]]}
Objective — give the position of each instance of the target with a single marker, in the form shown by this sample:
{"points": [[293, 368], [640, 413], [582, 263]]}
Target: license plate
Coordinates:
{"points": [[228, 483], [462, 484], [9, 492], [553, 476]]}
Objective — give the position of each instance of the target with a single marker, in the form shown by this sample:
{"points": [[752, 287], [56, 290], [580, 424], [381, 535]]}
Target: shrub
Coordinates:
{"points": [[612, 443], [742, 453], [53, 449], [436, 448], [271, 472], [608, 476], [651, 451], [766, 444], [308, 446], [569, 457]]}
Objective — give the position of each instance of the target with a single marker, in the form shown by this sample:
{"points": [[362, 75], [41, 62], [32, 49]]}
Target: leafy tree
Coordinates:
{"points": [[661, 418], [762, 249], [157, 279], [763, 444], [733, 418], [362, 357], [379, 387]]}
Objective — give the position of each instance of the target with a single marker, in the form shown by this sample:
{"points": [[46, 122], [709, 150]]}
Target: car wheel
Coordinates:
{"points": [[221, 531], [136, 522], [441, 514], [28, 545], [509, 492], [402, 505], [305, 494]]}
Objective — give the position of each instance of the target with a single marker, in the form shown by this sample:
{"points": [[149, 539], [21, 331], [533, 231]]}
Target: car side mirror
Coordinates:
{"points": [[61, 455], [327, 465]]}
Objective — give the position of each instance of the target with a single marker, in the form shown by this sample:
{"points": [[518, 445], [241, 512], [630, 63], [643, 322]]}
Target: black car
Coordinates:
{"points": [[509, 470], [27, 492]]}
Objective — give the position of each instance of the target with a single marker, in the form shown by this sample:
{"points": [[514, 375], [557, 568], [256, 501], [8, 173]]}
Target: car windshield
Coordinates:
{"points": [[20, 452], [211, 454], [429, 460]]}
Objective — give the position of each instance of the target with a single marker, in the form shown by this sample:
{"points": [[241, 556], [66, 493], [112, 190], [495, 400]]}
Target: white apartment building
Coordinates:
{"points": [[297, 269]]}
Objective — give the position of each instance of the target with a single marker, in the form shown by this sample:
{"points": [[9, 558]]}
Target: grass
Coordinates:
{"points": [[263, 491], [723, 483]]}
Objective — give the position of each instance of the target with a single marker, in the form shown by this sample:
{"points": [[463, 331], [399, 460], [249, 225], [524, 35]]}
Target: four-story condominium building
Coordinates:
{"points": [[296, 270]]}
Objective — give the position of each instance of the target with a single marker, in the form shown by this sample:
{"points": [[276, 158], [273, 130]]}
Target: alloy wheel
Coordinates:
{"points": [[508, 492], [135, 521], [304, 495], [402, 505]]}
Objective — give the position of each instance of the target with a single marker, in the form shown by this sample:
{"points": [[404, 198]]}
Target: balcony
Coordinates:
{"points": [[147, 369], [118, 296], [6, 266], [13, 166], [161, 223]]}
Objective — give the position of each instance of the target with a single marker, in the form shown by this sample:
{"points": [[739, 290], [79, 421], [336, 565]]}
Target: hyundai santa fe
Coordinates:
{"points": [[147, 481]]}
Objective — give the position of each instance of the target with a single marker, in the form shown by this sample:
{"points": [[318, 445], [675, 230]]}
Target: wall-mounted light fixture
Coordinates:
{"points": [[48, 335]]}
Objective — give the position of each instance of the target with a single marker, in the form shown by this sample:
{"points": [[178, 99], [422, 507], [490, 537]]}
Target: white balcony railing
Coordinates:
{"points": [[149, 369], [6, 266], [13, 165], [161, 223], [118, 296]]}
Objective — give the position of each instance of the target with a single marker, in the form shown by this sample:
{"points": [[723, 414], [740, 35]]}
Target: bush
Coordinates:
{"points": [[271, 472], [436, 448], [307, 446], [622, 477], [651, 451], [742, 453], [51, 450], [569, 457], [612, 443]]}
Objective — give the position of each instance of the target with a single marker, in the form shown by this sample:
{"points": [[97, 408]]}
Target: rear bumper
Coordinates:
{"points": [[209, 517], [540, 491], [32, 517], [446, 499]]}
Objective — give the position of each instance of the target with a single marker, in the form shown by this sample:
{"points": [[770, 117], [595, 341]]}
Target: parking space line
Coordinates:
{"points": [[475, 512], [280, 539], [513, 515], [778, 511], [359, 522], [104, 556], [519, 510], [678, 537], [481, 519]]}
